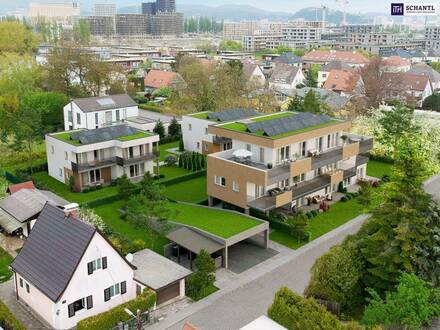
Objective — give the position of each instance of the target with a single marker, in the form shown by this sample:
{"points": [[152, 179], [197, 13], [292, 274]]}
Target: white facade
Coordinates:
{"points": [[81, 286], [282, 84], [61, 155], [194, 131], [75, 118]]}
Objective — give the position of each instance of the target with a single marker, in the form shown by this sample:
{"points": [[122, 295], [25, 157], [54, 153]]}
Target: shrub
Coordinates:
{"points": [[297, 313], [112, 317], [170, 160], [150, 107], [180, 164], [386, 178], [341, 188], [8, 320], [125, 187], [344, 199], [181, 146], [203, 277], [299, 224], [314, 213]]}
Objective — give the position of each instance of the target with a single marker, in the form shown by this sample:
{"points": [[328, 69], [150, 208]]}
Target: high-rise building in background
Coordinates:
{"points": [[100, 25], [131, 24], [54, 12], [104, 9], [159, 6], [237, 30], [432, 36], [166, 23], [149, 8]]}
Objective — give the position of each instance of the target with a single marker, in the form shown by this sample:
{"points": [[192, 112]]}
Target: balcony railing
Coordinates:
{"points": [[76, 168], [221, 140], [133, 160]]}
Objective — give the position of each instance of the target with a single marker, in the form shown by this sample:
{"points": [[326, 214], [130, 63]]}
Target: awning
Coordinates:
{"points": [[8, 222], [194, 241]]}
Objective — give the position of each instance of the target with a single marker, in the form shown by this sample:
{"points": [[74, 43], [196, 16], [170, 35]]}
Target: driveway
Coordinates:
{"points": [[22, 313], [250, 295]]}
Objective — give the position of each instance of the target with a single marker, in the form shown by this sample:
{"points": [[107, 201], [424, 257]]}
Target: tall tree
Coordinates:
{"points": [[312, 75], [15, 37], [159, 129], [311, 103], [174, 128]]}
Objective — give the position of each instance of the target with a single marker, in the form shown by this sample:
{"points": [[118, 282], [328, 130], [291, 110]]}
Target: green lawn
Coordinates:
{"points": [[164, 147], [201, 115], [378, 169], [340, 213], [5, 261], [215, 221], [11, 161], [138, 135], [192, 191], [111, 215], [209, 290], [63, 190], [171, 171]]}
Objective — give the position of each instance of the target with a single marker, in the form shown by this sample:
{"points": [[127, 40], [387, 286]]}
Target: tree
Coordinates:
{"points": [[203, 277], [162, 92], [365, 194], [312, 75], [432, 102], [299, 224], [15, 37], [81, 32], [174, 128], [159, 129], [297, 313], [311, 103], [230, 45], [181, 145], [126, 188], [411, 306], [281, 49], [3, 187], [90, 217], [336, 276], [295, 103], [180, 163]]}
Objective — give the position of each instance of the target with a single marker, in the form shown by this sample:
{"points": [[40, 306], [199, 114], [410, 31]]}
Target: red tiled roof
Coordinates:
{"points": [[13, 188], [159, 79], [408, 81], [396, 61], [334, 55], [341, 80]]}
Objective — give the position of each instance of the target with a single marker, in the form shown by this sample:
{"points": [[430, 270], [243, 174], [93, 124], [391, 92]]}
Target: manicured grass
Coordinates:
{"points": [[209, 290], [340, 213], [138, 135], [63, 190], [5, 261], [239, 127], [192, 191], [273, 116], [378, 169], [111, 216], [201, 115], [66, 137], [163, 149], [170, 172], [11, 161], [216, 221]]}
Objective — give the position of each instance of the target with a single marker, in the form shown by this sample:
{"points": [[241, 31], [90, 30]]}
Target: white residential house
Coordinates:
{"points": [[98, 156], [79, 276], [97, 112], [253, 74], [324, 72], [285, 77]]}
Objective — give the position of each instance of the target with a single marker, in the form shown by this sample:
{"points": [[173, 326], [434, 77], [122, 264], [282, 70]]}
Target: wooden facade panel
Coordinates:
{"points": [[350, 150], [283, 199], [300, 166], [106, 174], [209, 147], [336, 177]]}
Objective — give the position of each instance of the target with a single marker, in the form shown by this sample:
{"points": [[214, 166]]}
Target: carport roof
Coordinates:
{"points": [[194, 241]]}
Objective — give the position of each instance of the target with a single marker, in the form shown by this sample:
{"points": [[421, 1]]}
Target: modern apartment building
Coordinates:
{"points": [[104, 9], [100, 25], [98, 156], [166, 24], [295, 33], [54, 12], [237, 30], [131, 24], [432, 36], [152, 8], [283, 160], [361, 28], [256, 42]]}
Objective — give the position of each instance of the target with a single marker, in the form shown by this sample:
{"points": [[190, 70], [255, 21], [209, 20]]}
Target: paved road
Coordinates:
{"points": [[250, 296]]}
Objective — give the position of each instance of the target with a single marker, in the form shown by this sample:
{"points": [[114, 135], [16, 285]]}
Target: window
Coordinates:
{"points": [[69, 116], [21, 282], [198, 145], [206, 131], [80, 305], [66, 156], [96, 264], [220, 181], [248, 147], [134, 170], [114, 290], [235, 186], [302, 148], [96, 120], [329, 138], [60, 172], [118, 115], [189, 127], [78, 118], [261, 155], [52, 150], [95, 176], [28, 289]]}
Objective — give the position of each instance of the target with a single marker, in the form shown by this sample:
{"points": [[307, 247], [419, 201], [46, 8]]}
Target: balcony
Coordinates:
{"points": [[77, 168], [221, 140], [133, 160]]}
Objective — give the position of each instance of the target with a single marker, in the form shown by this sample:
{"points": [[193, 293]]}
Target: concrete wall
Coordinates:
{"points": [[194, 132]]}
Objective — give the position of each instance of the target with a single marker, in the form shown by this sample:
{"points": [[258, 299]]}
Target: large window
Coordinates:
{"points": [[303, 148], [220, 181], [118, 115], [80, 305], [96, 120], [135, 170], [100, 263], [235, 186], [95, 176], [69, 116], [115, 290]]}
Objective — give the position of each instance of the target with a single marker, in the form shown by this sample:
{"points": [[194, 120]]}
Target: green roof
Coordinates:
{"points": [[215, 221], [139, 135], [66, 137], [202, 115]]}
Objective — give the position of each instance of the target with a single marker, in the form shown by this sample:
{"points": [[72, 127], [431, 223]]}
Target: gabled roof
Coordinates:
{"points": [[426, 70], [13, 188], [287, 58], [159, 79], [334, 100], [249, 68], [53, 251], [27, 203], [332, 55], [396, 60], [336, 65], [102, 103], [284, 74], [405, 81], [340, 80]]}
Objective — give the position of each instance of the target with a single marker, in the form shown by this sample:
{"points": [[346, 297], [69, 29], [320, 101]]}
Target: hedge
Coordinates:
{"points": [[102, 201], [8, 320], [150, 107], [183, 178], [112, 317], [381, 158]]}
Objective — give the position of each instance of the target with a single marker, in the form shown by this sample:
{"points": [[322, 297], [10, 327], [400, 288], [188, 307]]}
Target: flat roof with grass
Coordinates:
{"points": [[241, 126], [202, 115], [215, 221]]}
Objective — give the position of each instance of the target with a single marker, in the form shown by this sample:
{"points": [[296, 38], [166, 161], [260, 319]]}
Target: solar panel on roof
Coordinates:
{"points": [[105, 102], [103, 134], [232, 114]]}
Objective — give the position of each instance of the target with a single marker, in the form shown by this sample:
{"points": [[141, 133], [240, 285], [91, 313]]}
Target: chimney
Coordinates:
{"points": [[71, 210], [129, 257]]}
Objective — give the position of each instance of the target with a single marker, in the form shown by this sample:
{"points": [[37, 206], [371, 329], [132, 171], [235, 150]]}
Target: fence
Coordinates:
{"points": [[133, 323]]}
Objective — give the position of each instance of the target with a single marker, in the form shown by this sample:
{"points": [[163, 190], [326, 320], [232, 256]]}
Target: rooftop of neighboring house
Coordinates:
{"points": [[330, 98], [336, 65], [156, 271], [433, 52], [147, 116], [249, 68], [160, 79], [405, 81], [426, 70], [24, 205], [402, 53], [287, 58], [284, 74], [341, 80], [50, 270], [225, 115], [102, 103], [280, 124], [332, 55], [85, 137], [396, 60], [13, 188]]}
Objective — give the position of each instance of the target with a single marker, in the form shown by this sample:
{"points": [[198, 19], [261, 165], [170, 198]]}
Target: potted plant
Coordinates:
{"points": [[269, 166], [344, 139]]}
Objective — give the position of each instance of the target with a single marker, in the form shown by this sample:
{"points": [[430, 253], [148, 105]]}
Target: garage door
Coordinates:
{"points": [[169, 292]]}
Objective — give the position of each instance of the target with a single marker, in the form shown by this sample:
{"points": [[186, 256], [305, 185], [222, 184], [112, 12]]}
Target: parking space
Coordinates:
{"points": [[245, 255]]}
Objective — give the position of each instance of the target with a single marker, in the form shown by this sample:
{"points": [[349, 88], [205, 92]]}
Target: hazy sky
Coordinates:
{"points": [[354, 6]]}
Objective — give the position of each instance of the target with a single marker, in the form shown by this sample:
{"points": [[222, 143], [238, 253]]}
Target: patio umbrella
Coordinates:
{"points": [[242, 153]]}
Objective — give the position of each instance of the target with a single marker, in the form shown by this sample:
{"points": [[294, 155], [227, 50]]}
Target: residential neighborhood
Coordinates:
{"points": [[253, 165]]}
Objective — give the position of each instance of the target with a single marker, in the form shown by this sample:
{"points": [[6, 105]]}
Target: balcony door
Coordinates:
{"points": [[95, 176]]}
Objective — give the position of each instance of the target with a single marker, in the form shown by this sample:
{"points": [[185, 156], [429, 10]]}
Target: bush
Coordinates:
{"points": [[432, 102], [202, 278], [386, 178], [111, 318], [8, 320], [170, 160], [341, 188], [297, 313], [150, 107], [181, 145], [344, 199], [299, 224]]}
